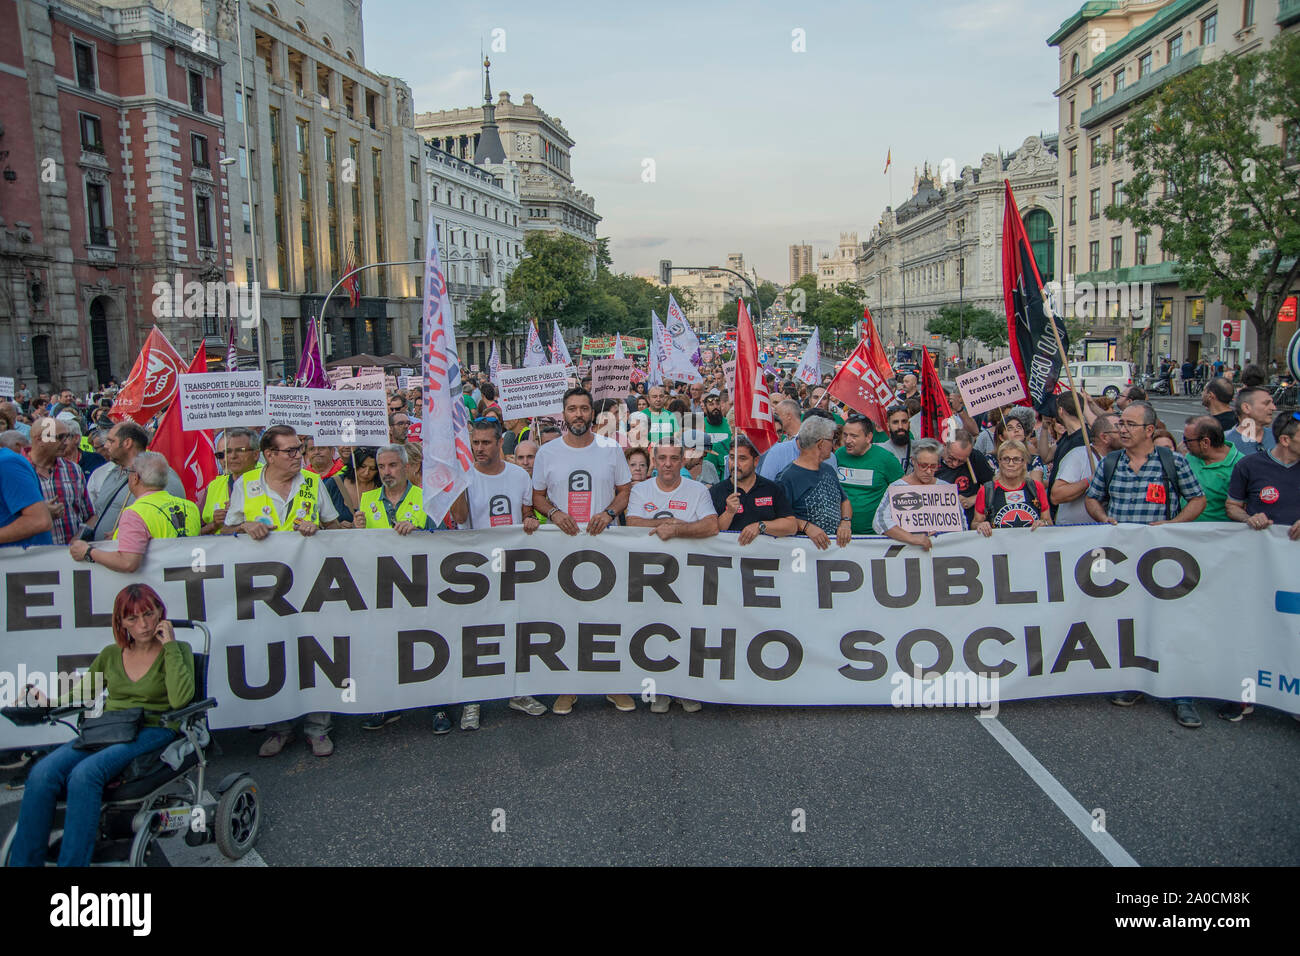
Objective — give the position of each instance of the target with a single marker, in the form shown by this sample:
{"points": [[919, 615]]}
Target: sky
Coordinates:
{"points": [[748, 145]]}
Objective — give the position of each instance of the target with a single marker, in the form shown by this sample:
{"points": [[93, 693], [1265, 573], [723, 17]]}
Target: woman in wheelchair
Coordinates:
{"points": [[145, 667]]}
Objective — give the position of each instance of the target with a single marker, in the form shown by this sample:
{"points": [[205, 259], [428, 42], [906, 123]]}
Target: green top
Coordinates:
{"points": [[719, 448], [1213, 480], [167, 685], [864, 479]]}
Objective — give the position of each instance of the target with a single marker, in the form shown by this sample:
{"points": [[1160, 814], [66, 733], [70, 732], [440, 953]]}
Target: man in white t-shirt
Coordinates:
{"points": [[672, 507], [579, 479], [500, 495], [1074, 473]]}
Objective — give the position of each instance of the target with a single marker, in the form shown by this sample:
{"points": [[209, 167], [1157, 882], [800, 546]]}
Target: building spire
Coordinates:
{"points": [[489, 150]]}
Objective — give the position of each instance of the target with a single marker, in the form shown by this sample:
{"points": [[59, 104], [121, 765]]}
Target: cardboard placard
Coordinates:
{"points": [[991, 386], [729, 373], [350, 417], [369, 377], [292, 407], [526, 392], [6, 387], [221, 400], [923, 508], [337, 375], [611, 378]]}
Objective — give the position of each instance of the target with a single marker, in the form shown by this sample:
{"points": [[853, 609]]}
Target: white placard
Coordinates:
{"points": [[368, 378], [925, 508], [610, 378], [350, 417], [406, 372], [221, 400], [337, 375], [991, 386], [292, 407], [6, 387], [526, 392]]}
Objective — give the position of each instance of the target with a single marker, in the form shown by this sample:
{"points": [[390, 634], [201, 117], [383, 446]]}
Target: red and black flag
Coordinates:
{"points": [[1033, 347], [935, 409]]}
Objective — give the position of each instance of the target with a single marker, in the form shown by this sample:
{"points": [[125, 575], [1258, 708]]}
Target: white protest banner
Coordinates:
{"points": [[401, 622], [408, 381], [350, 417], [921, 508], [539, 390], [7, 387], [369, 377], [405, 372], [221, 400], [340, 377], [390, 382], [611, 378], [991, 386], [729, 373], [292, 407]]}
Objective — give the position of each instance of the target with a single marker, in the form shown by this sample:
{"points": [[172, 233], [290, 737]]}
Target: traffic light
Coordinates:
{"points": [[487, 264], [666, 271]]}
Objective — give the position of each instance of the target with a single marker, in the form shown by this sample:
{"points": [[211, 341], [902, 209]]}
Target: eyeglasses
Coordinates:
{"points": [[294, 452], [1008, 460], [921, 467]]}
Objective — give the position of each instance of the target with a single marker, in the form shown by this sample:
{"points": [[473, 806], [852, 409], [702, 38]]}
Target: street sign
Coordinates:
{"points": [[1227, 330]]}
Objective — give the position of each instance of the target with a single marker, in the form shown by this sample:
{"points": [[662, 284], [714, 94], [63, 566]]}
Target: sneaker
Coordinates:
{"points": [[15, 759], [273, 744], [1233, 711], [381, 720], [690, 706], [469, 717], [441, 723], [622, 701], [18, 782], [1126, 699], [660, 704], [256, 728], [528, 705], [1186, 714], [564, 704], [321, 746]]}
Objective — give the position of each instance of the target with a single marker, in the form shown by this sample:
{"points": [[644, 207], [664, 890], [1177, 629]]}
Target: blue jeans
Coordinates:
{"points": [[85, 773]]}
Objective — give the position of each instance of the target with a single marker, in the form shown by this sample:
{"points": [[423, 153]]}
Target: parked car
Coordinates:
{"points": [[1102, 378]]}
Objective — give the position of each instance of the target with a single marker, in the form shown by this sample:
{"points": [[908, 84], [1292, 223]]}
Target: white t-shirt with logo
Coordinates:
{"points": [[689, 501], [580, 481], [497, 501], [1075, 466]]}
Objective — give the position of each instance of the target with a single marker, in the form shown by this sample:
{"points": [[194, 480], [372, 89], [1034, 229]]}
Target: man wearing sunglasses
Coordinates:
{"points": [[237, 455]]}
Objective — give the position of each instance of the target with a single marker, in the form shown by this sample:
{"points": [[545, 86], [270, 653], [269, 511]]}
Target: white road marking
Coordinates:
{"points": [[1104, 843], [10, 796]]}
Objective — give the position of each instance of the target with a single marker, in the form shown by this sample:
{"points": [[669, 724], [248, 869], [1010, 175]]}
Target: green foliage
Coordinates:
{"points": [[960, 324], [1225, 204]]}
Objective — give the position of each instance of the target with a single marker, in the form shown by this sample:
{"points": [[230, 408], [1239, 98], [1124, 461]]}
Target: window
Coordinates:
{"points": [[1116, 251], [1038, 228], [96, 214], [1074, 160], [1074, 65], [1071, 123], [1119, 81], [203, 213], [1117, 194], [92, 135], [243, 162], [1116, 147], [248, 217], [83, 55], [1094, 256], [434, 194], [1247, 13], [415, 171], [239, 104], [1196, 310], [1141, 256], [1094, 204], [1096, 94], [199, 151], [1074, 210], [301, 132], [1094, 151], [415, 248], [196, 91], [415, 210], [1209, 29], [1174, 48], [1144, 65], [1074, 260]]}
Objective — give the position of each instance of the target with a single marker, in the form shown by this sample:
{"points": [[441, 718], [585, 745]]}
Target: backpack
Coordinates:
{"points": [[1167, 466], [1041, 500]]}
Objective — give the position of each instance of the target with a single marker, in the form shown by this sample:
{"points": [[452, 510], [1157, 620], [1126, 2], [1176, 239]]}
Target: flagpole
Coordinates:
{"points": [[1080, 403]]}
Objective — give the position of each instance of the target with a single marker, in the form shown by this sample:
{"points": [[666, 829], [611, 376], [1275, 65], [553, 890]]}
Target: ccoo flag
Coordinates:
{"points": [[1029, 319], [878, 357], [444, 418], [189, 453], [152, 382], [860, 384], [753, 403]]}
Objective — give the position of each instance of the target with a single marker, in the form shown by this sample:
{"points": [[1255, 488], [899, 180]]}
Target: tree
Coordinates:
{"points": [[988, 328], [1225, 203], [481, 319], [553, 281], [767, 293]]}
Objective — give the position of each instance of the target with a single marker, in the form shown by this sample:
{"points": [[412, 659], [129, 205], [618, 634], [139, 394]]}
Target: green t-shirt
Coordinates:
{"points": [[663, 425], [864, 479], [1213, 480], [167, 685], [719, 447]]}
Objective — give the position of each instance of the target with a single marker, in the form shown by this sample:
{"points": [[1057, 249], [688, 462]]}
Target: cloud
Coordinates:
{"points": [[641, 242]]}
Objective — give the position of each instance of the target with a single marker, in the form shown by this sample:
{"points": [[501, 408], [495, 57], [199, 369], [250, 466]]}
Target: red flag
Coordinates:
{"points": [[189, 453], [878, 357], [352, 283], [860, 384], [1029, 332], [753, 404], [935, 409], [152, 382]]}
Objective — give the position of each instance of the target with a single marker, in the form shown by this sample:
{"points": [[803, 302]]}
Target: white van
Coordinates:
{"points": [[1101, 378]]}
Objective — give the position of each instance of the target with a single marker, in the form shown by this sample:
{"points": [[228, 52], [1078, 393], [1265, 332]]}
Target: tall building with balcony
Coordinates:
{"points": [[113, 122], [801, 261], [539, 145], [1113, 54]]}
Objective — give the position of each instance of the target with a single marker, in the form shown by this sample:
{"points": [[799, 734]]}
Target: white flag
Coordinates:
{"points": [[444, 420], [660, 343], [494, 366], [534, 354], [559, 351], [809, 370], [684, 340], [618, 345]]}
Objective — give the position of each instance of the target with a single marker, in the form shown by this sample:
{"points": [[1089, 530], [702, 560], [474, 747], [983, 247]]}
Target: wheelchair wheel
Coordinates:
{"points": [[239, 819], [9, 842], [140, 846]]}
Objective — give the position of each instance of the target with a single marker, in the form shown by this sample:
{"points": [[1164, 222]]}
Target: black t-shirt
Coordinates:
{"points": [[1227, 419], [961, 477], [1267, 487], [763, 502]]}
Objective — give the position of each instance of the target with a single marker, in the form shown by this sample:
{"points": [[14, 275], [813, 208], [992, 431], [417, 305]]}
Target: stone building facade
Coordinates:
{"points": [[840, 265]]}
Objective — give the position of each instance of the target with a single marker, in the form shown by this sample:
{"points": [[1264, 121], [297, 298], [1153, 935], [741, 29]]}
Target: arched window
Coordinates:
{"points": [[1074, 65], [302, 27], [270, 8], [352, 56], [327, 41], [1038, 226]]}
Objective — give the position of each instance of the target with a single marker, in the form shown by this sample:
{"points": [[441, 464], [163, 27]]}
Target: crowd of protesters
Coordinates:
{"points": [[664, 458]]}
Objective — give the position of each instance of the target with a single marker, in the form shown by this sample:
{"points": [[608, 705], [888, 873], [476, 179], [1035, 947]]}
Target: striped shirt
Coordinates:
{"points": [[66, 483]]}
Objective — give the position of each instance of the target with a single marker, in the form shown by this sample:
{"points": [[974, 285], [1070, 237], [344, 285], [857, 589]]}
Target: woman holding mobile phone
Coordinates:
{"points": [[144, 667]]}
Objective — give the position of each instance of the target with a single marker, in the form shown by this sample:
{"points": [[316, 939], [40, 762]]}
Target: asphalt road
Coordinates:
{"points": [[725, 786]]}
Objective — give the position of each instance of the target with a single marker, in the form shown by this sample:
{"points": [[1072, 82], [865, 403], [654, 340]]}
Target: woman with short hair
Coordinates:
{"points": [[1012, 499]]}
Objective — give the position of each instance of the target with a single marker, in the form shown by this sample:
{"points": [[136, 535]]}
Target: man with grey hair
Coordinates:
{"points": [[812, 486], [14, 440], [396, 503], [237, 455], [109, 486], [153, 513], [62, 482], [778, 457]]}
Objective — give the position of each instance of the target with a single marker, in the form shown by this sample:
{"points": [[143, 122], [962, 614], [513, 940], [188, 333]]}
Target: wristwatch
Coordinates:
{"points": [[87, 557], [613, 515], [762, 527]]}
